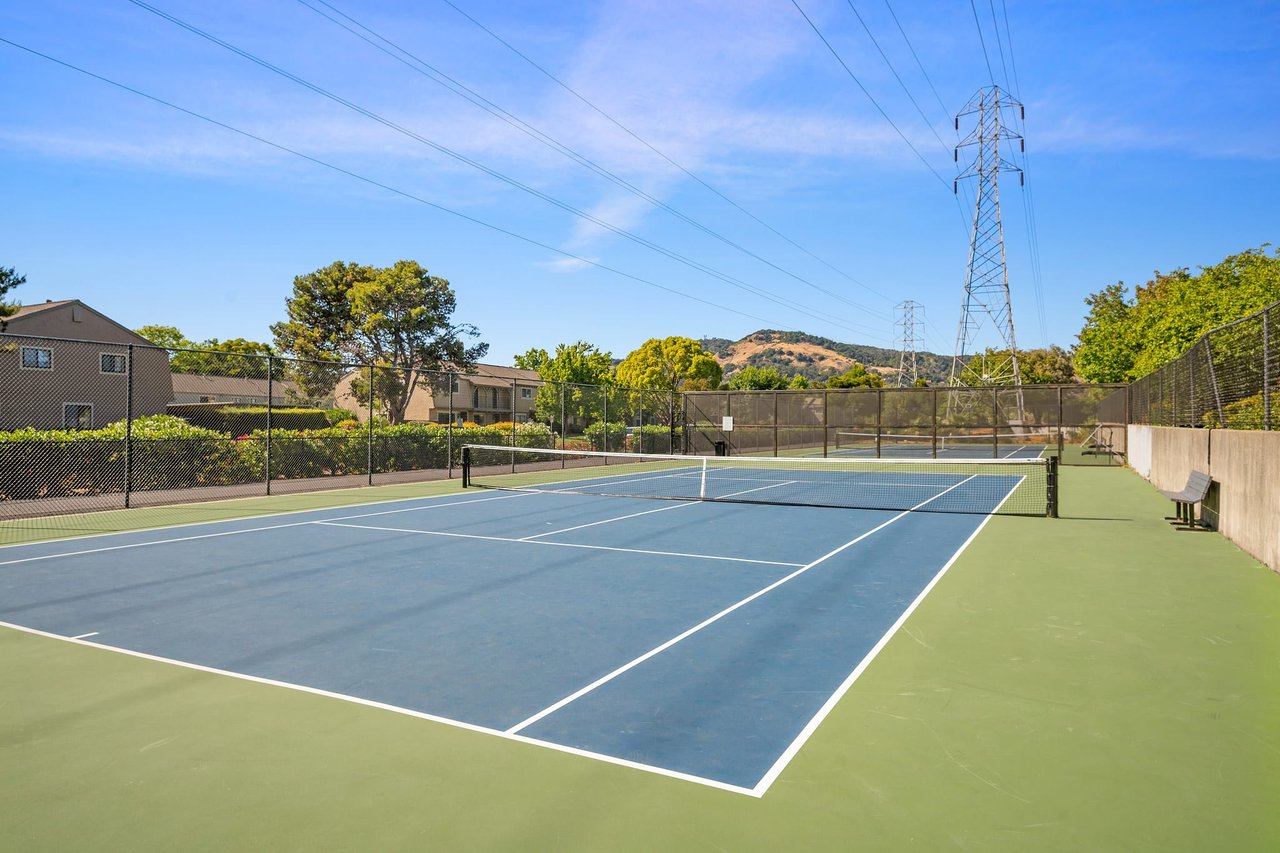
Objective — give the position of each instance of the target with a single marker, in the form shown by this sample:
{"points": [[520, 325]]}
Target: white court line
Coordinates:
{"points": [[245, 530], [453, 535], [605, 679], [790, 752], [86, 636], [228, 520], [408, 712], [660, 509]]}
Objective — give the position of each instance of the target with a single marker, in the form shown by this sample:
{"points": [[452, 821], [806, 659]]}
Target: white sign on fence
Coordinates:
{"points": [[727, 425]]}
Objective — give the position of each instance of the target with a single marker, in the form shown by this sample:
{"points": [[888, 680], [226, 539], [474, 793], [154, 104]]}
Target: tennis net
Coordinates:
{"points": [[1006, 486]]}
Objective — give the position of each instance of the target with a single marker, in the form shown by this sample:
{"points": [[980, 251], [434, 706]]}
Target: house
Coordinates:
{"points": [[492, 394], [195, 388], [64, 365]]}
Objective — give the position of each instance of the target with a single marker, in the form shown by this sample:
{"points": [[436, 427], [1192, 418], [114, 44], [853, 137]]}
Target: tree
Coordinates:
{"points": [[169, 337], [236, 357], [398, 318], [1105, 352], [1123, 340], [757, 379], [9, 280], [799, 382], [856, 377], [670, 364], [576, 370], [1048, 366]]}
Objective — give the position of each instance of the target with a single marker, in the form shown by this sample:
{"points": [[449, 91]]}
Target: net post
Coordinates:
{"points": [[466, 466], [1051, 474], [702, 487]]}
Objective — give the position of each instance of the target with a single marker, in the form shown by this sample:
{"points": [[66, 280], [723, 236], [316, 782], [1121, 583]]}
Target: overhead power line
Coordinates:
{"points": [[555, 202], [631, 133], [421, 66], [378, 184]]}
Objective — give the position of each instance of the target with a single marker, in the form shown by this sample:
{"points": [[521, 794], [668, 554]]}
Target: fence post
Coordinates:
{"points": [[879, 418], [451, 378], [1060, 421], [368, 444], [128, 430], [775, 423], [563, 426], [1213, 381], [1266, 370], [995, 423], [933, 392], [515, 386], [826, 421], [271, 370]]}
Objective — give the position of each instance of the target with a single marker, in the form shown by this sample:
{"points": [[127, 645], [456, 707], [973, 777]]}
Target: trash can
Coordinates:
{"points": [[722, 448]]}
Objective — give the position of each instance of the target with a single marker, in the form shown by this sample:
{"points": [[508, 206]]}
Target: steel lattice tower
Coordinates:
{"points": [[986, 284], [909, 334]]}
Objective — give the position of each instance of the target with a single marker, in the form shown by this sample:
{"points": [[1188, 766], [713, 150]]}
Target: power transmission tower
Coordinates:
{"points": [[911, 337], [986, 283]]}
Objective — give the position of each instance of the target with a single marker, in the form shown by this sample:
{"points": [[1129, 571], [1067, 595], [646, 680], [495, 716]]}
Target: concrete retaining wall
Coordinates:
{"points": [[1244, 503], [1247, 465]]}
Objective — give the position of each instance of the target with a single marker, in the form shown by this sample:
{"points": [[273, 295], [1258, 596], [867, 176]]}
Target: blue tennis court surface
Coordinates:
{"points": [[697, 639]]}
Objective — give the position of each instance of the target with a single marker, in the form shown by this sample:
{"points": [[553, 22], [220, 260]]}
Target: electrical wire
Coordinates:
{"points": [[621, 232], [631, 133]]}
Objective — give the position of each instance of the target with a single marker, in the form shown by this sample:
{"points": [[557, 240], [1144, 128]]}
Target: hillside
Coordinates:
{"points": [[814, 357]]}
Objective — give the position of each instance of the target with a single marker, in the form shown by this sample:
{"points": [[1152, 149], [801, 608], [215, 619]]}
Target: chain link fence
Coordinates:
{"points": [[1228, 379], [1072, 422], [88, 425]]}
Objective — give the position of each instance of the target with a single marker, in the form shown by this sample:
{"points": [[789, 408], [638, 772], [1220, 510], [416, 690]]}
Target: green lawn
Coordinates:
{"points": [[1096, 682]]}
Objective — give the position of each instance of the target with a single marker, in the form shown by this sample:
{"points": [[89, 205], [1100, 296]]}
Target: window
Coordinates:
{"points": [[77, 416], [526, 393], [111, 363], [37, 358]]}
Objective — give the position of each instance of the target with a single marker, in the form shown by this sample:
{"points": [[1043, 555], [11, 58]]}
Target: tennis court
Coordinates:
{"points": [[702, 639]]}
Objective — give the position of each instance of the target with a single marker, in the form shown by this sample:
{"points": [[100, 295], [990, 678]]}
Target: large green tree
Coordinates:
{"points": [[752, 378], [577, 375], [1125, 339], [398, 319], [857, 376], [9, 280], [235, 357], [669, 364]]}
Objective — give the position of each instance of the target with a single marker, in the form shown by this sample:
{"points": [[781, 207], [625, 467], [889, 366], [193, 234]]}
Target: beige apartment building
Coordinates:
{"points": [[63, 365], [492, 394]]}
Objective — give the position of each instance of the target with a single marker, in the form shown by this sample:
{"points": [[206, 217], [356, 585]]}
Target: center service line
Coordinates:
{"points": [[605, 679]]}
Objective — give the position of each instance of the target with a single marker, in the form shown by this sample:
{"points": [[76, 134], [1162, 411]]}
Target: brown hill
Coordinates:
{"points": [[813, 357]]}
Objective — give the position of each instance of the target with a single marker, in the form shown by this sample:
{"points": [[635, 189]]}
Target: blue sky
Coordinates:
{"points": [[1153, 142]]}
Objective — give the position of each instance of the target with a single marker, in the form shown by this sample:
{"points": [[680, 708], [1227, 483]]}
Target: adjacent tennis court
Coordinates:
{"points": [[704, 639]]}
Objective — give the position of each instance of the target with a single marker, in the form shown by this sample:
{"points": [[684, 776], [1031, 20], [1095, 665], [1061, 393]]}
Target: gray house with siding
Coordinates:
{"points": [[64, 365]]}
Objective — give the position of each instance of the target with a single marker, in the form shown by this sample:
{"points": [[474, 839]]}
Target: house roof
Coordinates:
{"points": [[239, 386], [27, 311]]}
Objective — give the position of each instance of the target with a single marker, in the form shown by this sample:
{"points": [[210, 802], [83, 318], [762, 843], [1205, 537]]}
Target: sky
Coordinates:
{"points": [[644, 168]]}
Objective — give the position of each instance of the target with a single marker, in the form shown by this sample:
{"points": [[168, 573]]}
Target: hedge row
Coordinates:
{"points": [[168, 453]]}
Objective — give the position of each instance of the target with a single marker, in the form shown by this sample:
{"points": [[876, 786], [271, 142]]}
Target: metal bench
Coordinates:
{"points": [[1195, 491]]}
